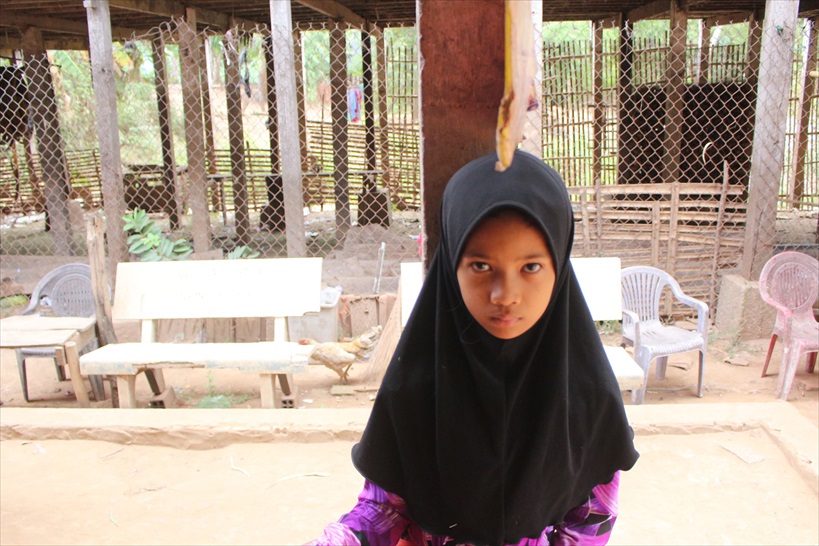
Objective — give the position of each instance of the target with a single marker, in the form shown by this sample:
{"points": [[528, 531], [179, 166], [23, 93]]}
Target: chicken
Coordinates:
{"points": [[339, 356]]}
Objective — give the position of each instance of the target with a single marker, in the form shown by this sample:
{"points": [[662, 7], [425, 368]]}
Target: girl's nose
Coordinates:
{"points": [[505, 291]]}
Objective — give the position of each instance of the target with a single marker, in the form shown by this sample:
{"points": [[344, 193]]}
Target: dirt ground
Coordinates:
{"points": [[707, 485], [732, 375]]}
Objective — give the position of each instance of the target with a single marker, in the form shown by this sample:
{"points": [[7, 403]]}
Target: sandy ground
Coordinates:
{"points": [[704, 477]]}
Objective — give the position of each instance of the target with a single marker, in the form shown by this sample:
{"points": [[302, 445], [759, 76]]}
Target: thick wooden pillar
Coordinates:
{"points": [[767, 155], [46, 121], [281, 30], [462, 73], [105, 102], [189, 53]]}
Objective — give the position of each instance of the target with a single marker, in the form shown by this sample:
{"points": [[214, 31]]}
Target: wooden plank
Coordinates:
{"points": [[218, 289], [131, 358]]}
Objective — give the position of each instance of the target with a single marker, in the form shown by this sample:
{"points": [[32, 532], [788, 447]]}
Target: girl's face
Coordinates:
{"points": [[506, 275]]}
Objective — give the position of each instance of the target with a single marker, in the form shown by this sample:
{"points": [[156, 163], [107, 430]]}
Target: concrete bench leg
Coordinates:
{"points": [[126, 388], [267, 386], [70, 357], [270, 396]]}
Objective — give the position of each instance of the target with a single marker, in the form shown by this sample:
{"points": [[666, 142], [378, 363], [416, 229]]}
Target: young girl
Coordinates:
{"points": [[499, 419]]}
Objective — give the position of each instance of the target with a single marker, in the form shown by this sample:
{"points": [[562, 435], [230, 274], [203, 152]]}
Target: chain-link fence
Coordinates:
{"points": [[654, 130]]}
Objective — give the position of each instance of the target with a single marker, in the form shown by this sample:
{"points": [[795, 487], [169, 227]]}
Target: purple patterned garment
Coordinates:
{"points": [[380, 519]]}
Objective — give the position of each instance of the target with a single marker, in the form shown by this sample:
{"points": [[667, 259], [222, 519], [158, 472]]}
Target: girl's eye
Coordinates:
{"points": [[532, 268], [480, 266]]}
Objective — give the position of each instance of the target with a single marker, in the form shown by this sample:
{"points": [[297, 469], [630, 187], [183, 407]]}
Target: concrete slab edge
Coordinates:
{"points": [[207, 429]]}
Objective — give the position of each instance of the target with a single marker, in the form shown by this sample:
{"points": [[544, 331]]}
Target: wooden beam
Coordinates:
{"points": [[729, 19], [653, 10], [336, 11], [54, 24], [68, 44], [169, 8]]}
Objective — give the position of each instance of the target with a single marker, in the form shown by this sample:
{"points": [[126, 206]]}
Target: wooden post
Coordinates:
{"points": [[626, 68], [809, 89], [272, 114], [46, 121], [298, 55], [389, 179], [281, 29], [233, 95], [338, 112], [673, 224], [207, 110], [704, 52], [755, 25], [189, 51], [599, 123], [460, 94], [105, 102], [165, 129], [533, 130], [675, 94], [100, 286], [369, 102], [723, 199], [767, 154]]}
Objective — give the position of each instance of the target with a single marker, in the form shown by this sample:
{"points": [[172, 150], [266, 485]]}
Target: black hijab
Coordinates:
{"points": [[490, 441]]}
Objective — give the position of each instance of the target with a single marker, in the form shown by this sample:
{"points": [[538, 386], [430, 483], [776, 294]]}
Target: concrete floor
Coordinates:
{"points": [[708, 474]]}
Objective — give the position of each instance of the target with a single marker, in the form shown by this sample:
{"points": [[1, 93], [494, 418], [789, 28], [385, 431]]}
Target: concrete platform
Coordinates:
{"points": [[708, 474]]}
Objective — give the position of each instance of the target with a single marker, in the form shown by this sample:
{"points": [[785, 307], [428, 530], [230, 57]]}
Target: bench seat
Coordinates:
{"points": [[268, 359]]}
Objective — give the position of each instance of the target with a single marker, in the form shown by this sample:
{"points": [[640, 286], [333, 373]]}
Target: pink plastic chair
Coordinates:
{"points": [[790, 282]]}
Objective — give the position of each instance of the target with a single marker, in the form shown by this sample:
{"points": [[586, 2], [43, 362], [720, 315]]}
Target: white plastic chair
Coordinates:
{"points": [[65, 292], [642, 328], [790, 281]]}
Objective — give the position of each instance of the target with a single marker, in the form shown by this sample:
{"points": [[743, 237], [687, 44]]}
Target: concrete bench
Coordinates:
{"points": [[210, 289]]}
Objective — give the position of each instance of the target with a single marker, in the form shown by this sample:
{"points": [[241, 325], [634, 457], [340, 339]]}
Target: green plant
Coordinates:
{"points": [[241, 252], [214, 400], [147, 241]]}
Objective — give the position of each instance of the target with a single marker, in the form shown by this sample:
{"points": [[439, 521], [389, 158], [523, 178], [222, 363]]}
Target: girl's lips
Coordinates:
{"points": [[504, 320]]}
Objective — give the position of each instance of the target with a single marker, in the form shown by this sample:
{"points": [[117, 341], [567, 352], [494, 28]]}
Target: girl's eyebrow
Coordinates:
{"points": [[480, 255]]}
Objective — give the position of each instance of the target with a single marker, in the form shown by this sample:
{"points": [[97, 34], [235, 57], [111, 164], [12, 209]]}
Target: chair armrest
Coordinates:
{"points": [[635, 319], [700, 306]]}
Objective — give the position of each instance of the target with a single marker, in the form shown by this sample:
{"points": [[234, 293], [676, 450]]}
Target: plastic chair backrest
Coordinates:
{"points": [[642, 290], [790, 282], [68, 289]]}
